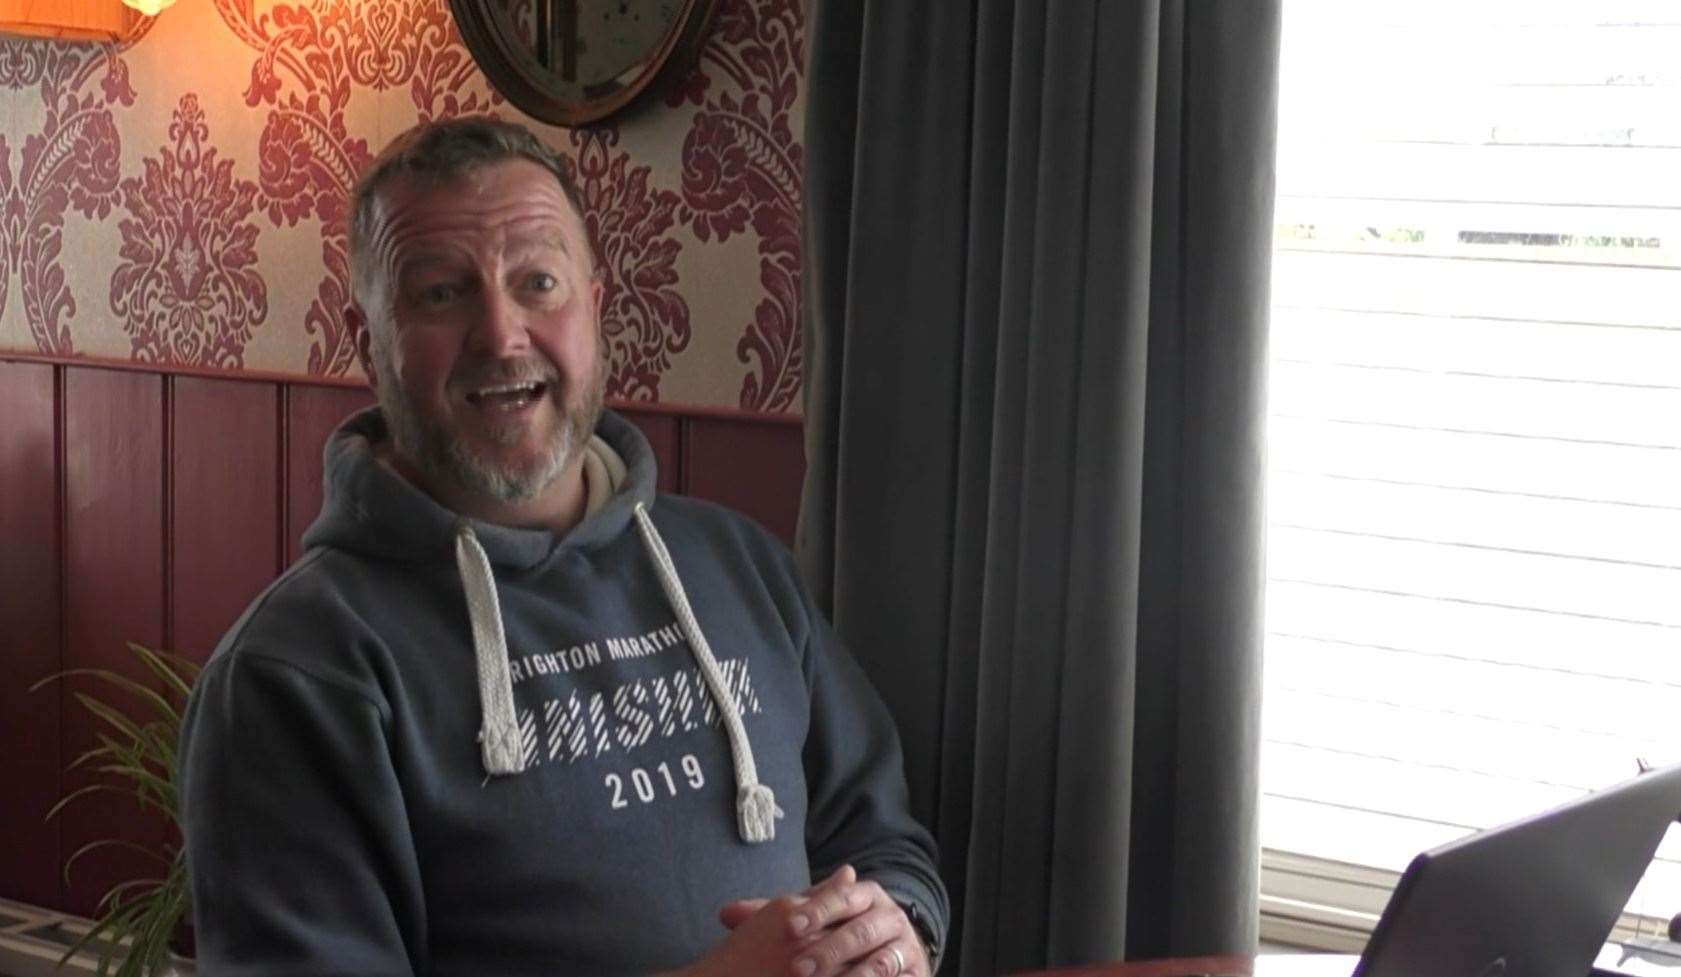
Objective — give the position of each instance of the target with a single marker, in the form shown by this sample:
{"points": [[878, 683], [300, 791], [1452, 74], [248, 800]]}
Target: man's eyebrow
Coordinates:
{"points": [[422, 260], [548, 237]]}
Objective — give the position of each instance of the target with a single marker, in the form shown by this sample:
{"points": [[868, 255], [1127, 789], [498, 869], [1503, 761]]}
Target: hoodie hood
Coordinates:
{"points": [[370, 509]]}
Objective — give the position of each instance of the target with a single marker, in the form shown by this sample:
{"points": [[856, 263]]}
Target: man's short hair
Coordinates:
{"points": [[438, 152]]}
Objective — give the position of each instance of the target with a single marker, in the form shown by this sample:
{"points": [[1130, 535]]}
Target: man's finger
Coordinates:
{"points": [[901, 958], [828, 902], [733, 914], [856, 941]]}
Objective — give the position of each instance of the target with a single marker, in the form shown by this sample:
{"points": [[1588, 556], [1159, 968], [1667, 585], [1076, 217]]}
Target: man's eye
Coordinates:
{"points": [[442, 293], [546, 288]]}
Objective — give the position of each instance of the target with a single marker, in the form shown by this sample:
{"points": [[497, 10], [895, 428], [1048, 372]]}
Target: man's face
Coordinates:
{"points": [[485, 341]]}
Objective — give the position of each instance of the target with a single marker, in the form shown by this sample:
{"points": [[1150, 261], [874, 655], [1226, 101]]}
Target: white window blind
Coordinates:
{"points": [[1474, 542]]}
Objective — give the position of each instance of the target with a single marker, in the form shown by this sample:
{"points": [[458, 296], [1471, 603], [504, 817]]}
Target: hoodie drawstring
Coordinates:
{"points": [[499, 738], [755, 805]]}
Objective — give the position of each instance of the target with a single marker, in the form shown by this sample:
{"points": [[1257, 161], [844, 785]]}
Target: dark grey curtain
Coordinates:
{"points": [[1036, 300]]}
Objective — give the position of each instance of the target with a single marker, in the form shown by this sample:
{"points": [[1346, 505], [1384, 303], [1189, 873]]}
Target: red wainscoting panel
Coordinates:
{"points": [[30, 758], [224, 505], [114, 587], [754, 466], [662, 433], [311, 415]]}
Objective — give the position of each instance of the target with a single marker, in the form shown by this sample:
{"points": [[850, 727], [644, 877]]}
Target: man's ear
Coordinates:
{"points": [[358, 324]]}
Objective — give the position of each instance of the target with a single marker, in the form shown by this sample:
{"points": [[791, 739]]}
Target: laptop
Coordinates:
{"points": [[1534, 898]]}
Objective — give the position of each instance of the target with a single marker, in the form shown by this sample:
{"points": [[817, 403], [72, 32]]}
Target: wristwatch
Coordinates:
{"points": [[924, 932]]}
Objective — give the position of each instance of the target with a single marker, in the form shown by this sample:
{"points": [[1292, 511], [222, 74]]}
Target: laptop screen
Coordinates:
{"points": [[1533, 898]]}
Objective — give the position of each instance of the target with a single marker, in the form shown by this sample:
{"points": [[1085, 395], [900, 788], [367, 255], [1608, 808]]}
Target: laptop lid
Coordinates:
{"points": [[1533, 898]]}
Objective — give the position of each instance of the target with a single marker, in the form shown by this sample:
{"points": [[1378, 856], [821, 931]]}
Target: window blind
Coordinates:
{"points": [[1474, 551]]}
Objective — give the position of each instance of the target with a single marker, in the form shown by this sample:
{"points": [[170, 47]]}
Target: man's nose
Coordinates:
{"points": [[501, 330]]}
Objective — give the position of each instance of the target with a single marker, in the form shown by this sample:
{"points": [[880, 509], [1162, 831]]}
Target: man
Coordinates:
{"points": [[513, 712]]}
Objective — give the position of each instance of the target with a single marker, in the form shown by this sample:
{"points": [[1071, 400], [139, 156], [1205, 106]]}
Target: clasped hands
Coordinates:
{"points": [[841, 927]]}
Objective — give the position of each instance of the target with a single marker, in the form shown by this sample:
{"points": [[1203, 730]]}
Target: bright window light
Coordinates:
{"points": [[1474, 540]]}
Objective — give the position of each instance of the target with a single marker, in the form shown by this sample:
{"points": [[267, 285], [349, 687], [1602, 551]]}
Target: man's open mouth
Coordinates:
{"points": [[507, 396]]}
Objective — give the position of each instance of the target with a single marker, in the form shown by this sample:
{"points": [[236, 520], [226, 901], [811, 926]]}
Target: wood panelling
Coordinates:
{"points": [[311, 415], [30, 758], [113, 588], [664, 434], [752, 468], [224, 512], [145, 506]]}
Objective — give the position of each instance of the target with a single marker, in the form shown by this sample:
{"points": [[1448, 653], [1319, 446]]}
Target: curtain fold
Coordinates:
{"points": [[1037, 251]]}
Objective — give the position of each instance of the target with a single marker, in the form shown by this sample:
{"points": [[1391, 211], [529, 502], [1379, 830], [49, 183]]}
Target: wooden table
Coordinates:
{"points": [[1263, 965]]}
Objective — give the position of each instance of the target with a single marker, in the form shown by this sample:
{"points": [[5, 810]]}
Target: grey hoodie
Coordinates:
{"points": [[370, 784]]}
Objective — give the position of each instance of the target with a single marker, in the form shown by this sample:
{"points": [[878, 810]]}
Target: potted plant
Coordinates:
{"points": [[143, 925]]}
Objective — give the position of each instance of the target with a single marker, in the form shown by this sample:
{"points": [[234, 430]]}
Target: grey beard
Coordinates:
{"points": [[458, 463]]}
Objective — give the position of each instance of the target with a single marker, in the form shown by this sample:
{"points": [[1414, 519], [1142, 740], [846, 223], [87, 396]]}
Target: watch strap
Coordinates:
{"points": [[924, 931]]}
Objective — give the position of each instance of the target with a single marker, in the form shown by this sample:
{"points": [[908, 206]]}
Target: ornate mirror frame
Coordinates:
{"points": [[527, 78]]}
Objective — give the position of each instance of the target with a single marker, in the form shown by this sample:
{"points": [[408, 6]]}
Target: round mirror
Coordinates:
{"points": [[570, 62]]}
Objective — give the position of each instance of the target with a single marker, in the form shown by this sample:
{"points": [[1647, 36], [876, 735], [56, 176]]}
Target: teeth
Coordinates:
{"points": [[513, 391]]}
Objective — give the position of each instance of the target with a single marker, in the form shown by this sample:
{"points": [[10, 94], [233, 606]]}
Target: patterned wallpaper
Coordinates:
{"points": [[181, 197]]}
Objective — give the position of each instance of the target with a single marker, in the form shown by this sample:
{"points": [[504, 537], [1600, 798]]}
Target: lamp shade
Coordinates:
{"points": [[65, 20]]}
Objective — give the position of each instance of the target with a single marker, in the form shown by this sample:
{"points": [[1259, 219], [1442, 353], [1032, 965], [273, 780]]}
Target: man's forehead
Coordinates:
{"points": [[431, 238], [514, 200]]}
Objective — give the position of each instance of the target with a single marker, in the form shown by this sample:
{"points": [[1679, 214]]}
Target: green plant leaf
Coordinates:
{"points": [[129, 753], [163, 744], [135, 757], [124, 725], [118, 894], [151, 946], [137, 920], [146, 800], [80, 792], [143, 781], [139, 775], [176, 672], [114, 923], [88, 757], [95, 846], [117, 679]]}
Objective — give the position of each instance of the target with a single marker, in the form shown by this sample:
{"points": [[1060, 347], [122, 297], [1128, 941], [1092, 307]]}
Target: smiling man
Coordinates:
{"points": [[515, 712]]}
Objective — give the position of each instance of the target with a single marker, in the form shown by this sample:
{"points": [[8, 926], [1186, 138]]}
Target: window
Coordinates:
{"points": [[1474, 542]]}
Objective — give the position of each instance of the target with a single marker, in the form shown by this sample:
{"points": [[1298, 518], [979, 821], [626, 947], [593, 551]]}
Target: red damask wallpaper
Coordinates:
{"points": [[180, 198]]}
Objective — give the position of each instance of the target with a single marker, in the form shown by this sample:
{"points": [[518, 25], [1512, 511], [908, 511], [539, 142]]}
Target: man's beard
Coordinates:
{"points": [[445, 454]]}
